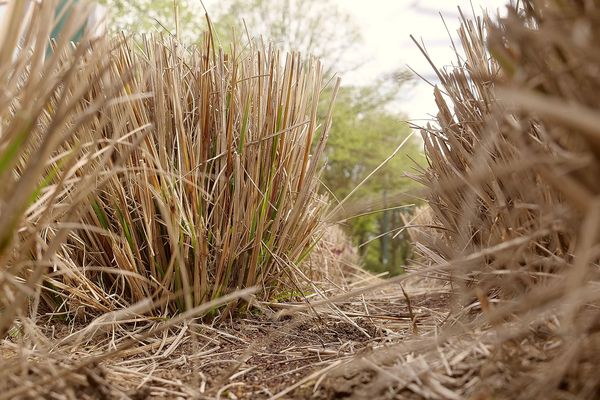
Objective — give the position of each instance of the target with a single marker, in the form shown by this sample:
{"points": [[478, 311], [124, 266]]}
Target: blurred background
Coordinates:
{"points": [[363, 41], [386, 87]]}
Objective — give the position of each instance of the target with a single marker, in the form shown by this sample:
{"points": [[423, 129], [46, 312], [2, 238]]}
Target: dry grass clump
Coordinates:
{"points": [[334, 259], [144, 170], [50, 152], [220, 194], [485, 189], [513, 167]]}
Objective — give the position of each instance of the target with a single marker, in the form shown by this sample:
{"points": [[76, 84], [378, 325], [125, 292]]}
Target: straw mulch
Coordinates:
{"points": [[278, 350]]}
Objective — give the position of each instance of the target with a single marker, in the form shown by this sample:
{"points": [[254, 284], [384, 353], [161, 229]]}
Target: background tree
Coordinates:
{"points": [[364, 130], [146, 16], [363, 135], [316, 27]]}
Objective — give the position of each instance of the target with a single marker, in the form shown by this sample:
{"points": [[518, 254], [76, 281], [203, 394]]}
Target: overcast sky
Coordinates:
{"points": [[386, 26]]}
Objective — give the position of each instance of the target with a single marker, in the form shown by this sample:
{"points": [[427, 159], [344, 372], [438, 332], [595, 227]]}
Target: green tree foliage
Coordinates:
{"points": [[364, 131], [363, 135], [316, 27], [146, 16]]}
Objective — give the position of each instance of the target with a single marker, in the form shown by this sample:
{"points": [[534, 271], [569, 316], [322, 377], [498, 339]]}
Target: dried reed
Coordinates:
{"points": [[50, 153], [221, 193]]}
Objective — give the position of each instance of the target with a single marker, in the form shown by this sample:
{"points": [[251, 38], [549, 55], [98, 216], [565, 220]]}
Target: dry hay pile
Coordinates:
{"points": [[335, 259], [514, 219], [513, 181]]}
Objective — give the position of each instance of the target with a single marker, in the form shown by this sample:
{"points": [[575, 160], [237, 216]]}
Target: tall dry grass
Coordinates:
{"points": [[51, 151], [221, 193], [513, 167], [140, 170]]}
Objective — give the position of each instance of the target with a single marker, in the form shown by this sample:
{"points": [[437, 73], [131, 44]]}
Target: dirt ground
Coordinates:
{"points": [[306, 355], [259, 358], [382, 345]]}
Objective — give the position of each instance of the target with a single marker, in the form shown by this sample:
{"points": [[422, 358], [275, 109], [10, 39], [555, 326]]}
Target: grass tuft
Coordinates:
{"points": [[50, 161], [221, 193]]}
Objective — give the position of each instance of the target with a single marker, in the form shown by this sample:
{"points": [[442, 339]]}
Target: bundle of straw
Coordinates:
{"points": [[220, 194]]}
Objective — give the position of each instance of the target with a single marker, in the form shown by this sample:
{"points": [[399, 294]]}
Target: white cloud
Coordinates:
{"points": [[387, 25]]}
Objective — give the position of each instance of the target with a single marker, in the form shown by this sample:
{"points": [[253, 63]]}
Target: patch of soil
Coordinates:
{"points": [[250, 358]]}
